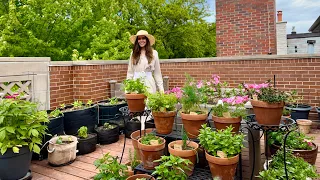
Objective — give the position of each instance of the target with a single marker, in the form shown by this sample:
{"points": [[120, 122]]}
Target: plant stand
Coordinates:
{"points": [[28, 176]]}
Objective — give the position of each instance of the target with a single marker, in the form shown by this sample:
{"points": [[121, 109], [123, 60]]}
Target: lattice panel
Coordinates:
{"points": [[16, 87]]}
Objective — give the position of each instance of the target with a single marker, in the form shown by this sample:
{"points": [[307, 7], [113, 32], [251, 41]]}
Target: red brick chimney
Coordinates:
{"points": [[279, 15]]}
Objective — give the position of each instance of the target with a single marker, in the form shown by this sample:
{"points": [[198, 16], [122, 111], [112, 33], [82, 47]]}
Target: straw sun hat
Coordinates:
{"points": [[142, 33]]}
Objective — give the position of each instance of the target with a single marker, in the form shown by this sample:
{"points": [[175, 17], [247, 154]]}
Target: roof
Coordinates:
{"points": [[315, 28], [302, 35]]}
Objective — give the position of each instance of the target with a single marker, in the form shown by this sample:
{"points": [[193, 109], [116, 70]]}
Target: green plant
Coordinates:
{"points": [[224, 110], [113, 101], [296, 166], [295, 140], [77, 104], [134, 86], [286, 112], [162, 102], [172, 167], [109, 126], [110, 168], [89, 103], [221, 140], [134, 162], [55, 113], [83, 132], [21, 124], [62, 106], [59, 140], [147, 139]]}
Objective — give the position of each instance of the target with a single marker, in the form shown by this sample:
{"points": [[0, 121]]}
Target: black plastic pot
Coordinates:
{"points": [[132, 126], [73, 120], [300, 111], [107, 136], [15, 166], [318, 110], [87, 145], [108, 112]]}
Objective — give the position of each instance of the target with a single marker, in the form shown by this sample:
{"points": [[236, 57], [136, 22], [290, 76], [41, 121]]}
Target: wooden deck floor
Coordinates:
{"points": [[83, 167]]}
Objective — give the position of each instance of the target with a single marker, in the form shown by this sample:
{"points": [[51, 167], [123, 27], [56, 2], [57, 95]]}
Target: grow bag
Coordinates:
{"points": [[15, 166], [132, 126], [87, 145], [73, 120], [107, 113], [108, 136], [62, 154], [300, 111]]}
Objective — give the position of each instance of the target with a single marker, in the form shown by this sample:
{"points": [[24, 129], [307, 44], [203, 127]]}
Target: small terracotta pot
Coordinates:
{"points": [[267, 113], [225, 168], [136, 102], [135, 136], [164, 121], [149, 153], [130, 170], [185, 154], [134, 177], [223, 123], [304, 125], [192, 123]]}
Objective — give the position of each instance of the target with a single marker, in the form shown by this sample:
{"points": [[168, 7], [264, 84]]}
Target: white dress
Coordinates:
{"points": [[151, 73]]}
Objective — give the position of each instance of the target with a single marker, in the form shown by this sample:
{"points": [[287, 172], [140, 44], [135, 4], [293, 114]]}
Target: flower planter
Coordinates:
{"points": [[134, 177], [132, 126], [136, 102], [107, 112], [135, 136], [108, 136], [149, 153], [224, 168], [300, 111], [223, 123], [15, 166], [185, 154], [87, 145], [267, 113], [192, 123], [304, 125], [62, 154], [164, 121]]}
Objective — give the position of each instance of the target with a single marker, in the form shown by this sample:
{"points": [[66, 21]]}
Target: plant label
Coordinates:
{"points": [[255, 97], [154, 142], [221, 154], [193, 113], [177, 147], [226, 114]]}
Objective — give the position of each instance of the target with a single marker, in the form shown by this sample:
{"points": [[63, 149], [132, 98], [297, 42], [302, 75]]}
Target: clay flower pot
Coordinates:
{"points": [[136, 102], [192, 123], [134, 177], [223, 123], [164, 121], [267, 113], [224, 168], [149, 153], [304, 125], [135, 136], [185, 154]]}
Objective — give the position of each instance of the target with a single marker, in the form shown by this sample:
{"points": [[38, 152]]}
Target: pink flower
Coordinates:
{"points": [[208, 83], [216, 79], [200, 84]]}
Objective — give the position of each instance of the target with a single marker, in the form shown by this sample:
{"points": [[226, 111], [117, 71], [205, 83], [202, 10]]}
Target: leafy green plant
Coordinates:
{"points": [[110, 168], [55, 113], [77, 104], [21, 124], [134, 86], [109, 126], [62, 106], [113, 101], [296, 166], [148, 137], [286, 112], [295, 140], [83, 132], [172, 167], [59, 140], [221, 140], [162, 102], [89, 103], [237, 111], [134, 162], [62, 140]]}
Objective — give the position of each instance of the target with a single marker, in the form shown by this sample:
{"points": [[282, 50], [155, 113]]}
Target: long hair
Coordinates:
{"points": [[137, 51]]}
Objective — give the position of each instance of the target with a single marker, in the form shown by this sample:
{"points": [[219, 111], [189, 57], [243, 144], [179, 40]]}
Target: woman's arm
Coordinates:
{"points": [[130, 68], [157, 72]]}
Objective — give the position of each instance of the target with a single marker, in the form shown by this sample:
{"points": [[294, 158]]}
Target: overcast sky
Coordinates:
{"points": [[298, 13]]}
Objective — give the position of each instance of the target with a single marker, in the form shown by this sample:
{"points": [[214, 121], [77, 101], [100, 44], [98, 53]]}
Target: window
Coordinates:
{"points": [[311, 46]]}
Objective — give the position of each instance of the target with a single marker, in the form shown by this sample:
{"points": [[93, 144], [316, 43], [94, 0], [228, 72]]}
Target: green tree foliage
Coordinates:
{"points": [[99, 29]]}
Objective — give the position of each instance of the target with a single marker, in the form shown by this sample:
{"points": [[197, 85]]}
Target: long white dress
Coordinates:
{"points": [[151, 73]]}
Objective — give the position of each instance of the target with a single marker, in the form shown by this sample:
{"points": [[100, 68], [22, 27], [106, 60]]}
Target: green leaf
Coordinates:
{"points": [[35, 132], [2, 135], [36, 149], [1, 119], [10, 129], [15, 149], [3, 149]]}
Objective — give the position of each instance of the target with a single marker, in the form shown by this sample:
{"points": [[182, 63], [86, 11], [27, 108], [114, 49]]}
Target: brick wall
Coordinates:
{"points": [[245, 27]]}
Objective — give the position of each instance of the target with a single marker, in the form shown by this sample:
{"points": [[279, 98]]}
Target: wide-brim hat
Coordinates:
{"points": [[133, 38]]}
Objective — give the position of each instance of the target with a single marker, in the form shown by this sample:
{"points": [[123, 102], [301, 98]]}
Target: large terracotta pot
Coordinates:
{"points": [[224, 168], [149, 153], [134, 177], [192, 123], [136, 102], [223, 123], [135, 136], [164, 121], [267, 113], [185, 154]]}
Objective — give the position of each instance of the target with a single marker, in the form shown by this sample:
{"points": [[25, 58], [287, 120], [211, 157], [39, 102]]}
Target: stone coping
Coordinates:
{"points": [[187, 60], [24, 59]]}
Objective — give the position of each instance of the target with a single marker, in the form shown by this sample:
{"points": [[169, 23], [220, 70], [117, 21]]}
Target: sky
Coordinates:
{"points": [[299, 13]]}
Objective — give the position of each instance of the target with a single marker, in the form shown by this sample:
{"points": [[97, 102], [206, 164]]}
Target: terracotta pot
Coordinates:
{"points": [[185, 154], [304, 125], [134, 177], [267, 113], [223, 123], [136, 102], [149, 153], [164, 121], [225, 168], [308, 155], [130, 171], [192, 123], [135, 136]]}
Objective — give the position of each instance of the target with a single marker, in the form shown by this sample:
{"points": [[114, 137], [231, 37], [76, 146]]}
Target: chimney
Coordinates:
{"points": [[293, 30], [279, 15]]}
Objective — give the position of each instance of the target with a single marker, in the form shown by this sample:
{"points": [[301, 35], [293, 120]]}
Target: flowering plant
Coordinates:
{"points": [[231, 107], [177, 91], [295, 140]]}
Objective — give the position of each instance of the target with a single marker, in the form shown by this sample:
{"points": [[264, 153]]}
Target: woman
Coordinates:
{"points": [[144, 62]]}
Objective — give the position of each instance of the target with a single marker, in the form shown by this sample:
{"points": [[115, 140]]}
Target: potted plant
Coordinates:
{"points": [[135, 94], [108, 109], [22, 127], [222, 150], [298, 109], [163, 110], [108, 133], [151, 148], [185, 149], [173, 167], [300, 145], [137, 135], [87, 142], [110, 168], [286, 113], [133, 162]]}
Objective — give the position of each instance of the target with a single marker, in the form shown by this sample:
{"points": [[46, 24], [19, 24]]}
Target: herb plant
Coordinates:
{"points": [[234, 106], [295, 140], [221, 140], [83, 132], [110, 168], [109, 126], [148, 137], [134, 86], [171, 168], [286, 112], [134, 162], [113, 101], [77, 104], [55, 113], [162, 102]]}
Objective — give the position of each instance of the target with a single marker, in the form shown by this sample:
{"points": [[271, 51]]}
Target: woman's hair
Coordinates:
{"points": [[137, 51]]}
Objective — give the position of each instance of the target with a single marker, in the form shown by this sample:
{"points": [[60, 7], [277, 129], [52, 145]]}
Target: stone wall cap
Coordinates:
{"points": [[24, 59]]}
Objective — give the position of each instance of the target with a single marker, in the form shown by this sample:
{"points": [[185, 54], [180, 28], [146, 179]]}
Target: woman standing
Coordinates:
{"points": [[144, 62]]}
